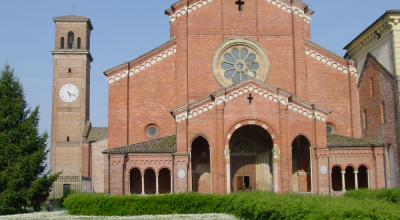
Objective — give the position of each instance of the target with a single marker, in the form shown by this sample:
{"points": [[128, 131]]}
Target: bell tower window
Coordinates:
{"points": [[79, 43], [70, 40], [62, 43]]}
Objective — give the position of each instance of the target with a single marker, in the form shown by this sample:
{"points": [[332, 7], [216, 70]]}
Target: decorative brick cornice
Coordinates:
{"points": [[254, 86], [298, 8], [142, 62], [180, 8], [330, 58]]}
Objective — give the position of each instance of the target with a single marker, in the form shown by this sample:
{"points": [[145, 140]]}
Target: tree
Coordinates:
{"points": [[22, 149]]}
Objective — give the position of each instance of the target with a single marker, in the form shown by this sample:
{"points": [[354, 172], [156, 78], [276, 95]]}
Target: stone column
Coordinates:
{"points": [[275, 175], [211, 183], [172, 184], [142, 183], [156, 183], [343, 182], [228, 171], [368, 179], [355, 178]]}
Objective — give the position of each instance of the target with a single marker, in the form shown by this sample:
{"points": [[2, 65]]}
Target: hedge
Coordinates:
{"points": [[245, 205], [389, 195]]}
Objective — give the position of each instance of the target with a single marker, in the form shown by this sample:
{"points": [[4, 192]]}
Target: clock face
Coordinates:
{"points": [[69, 93]]}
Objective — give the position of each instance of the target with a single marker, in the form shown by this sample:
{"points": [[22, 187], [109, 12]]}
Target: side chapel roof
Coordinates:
{"points": [[93, 134], [165, 144], [335, 140]]}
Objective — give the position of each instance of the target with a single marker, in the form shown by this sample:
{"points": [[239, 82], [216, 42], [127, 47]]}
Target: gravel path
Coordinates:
{"points": [[64, 215]]}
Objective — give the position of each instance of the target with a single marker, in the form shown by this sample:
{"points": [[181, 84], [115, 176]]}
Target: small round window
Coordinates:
{"points": [[330, 128], [151, 131]]}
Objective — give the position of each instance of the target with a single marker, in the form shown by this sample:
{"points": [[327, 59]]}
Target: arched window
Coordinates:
{"points": [[383, 119], [70, 40], [79, 43], [336, 178], [62, 43]]}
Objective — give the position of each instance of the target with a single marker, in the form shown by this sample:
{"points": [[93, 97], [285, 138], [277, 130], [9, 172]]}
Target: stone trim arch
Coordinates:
{"points": [[363, 164], [236, 125], [350, 165], [336, 165], [134, 167], [306, 136], [200, 134], [163, 167]]}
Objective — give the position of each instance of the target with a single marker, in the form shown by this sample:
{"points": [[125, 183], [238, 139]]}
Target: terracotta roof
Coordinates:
{"points": [[160, 145], [335, 140], [142, 58], [371, 58], [74, 18], [97, 134], [93, 134]]}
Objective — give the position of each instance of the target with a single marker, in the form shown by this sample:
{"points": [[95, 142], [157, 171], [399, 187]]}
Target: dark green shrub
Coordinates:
{"points": [[390, 195], [245, 205]]}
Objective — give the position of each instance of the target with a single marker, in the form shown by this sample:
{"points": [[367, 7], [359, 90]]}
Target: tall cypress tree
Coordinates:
{"points": [[22, 149]]}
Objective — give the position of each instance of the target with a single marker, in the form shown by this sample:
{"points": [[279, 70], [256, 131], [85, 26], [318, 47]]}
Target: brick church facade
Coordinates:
{"points": [[238, 97]]}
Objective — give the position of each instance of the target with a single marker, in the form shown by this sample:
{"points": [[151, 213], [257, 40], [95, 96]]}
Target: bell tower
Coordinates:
{"points": [[71, 93]]}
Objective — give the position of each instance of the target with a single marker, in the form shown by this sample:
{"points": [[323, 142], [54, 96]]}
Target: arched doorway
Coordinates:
{"points": [[349, 178], [135, 180], [391, 167], [201, 174], [149, 181], [251, 158], [301, 169], [336, 178], [164, 181], [362, 177]]}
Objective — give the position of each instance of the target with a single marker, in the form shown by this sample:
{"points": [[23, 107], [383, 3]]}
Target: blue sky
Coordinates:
{"points": [[125, 29]]}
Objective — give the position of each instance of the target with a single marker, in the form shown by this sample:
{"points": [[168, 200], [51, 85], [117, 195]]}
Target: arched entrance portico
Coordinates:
{"points": [[251, 159]]}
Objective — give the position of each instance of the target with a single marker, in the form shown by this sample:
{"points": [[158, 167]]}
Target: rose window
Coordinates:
{"points": [[237, 58], [239, 64]]}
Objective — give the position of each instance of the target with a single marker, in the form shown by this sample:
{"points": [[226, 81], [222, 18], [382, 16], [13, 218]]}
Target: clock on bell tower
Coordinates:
{"points": [[71, 93]]}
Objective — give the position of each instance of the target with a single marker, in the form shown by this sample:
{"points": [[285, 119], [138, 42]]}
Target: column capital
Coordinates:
{"points": [[343, 172], [157, 174], [355, 171]]}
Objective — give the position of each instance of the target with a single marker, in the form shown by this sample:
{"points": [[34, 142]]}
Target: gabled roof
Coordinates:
{"points": [[160, 145], [74, 18], [371, 58], [182, 7], [335, 140], [256, 87], [142, 62]]}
